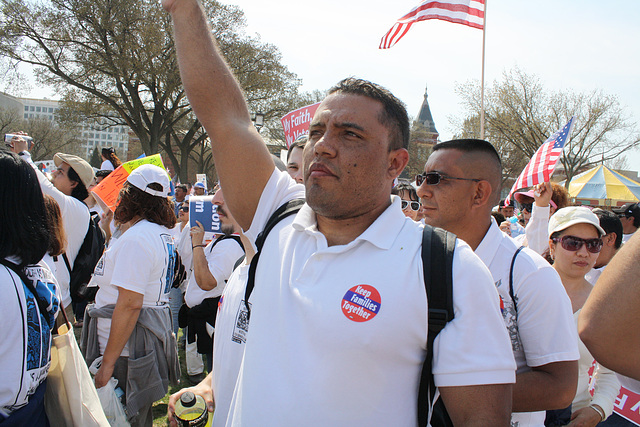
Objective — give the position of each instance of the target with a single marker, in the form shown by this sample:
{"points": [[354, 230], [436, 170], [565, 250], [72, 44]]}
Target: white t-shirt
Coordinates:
{"points": [[232, 325], [106, 166], [221, 258], [338, 334], [141, 260], [75, 218], [545, 331], [594, 274], [25, 337], [626, 237]]}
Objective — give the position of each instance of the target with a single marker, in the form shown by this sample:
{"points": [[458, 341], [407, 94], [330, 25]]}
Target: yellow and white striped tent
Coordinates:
{"points": [[602, 186]]}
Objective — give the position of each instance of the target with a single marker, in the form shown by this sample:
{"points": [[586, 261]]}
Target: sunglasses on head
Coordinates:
{"points": [[413, 204], [434, 178], [573, 243]]}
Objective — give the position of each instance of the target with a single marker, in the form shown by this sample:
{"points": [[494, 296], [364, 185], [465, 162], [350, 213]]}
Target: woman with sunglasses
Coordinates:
{"points": [[409, 199], [575, 239]]}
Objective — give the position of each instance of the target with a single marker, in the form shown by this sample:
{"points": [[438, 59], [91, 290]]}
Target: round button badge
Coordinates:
{"points": [[361, 303]]}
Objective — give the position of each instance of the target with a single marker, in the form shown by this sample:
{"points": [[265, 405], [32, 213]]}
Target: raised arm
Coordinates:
{"points": [[609, 319], [241, 157]]}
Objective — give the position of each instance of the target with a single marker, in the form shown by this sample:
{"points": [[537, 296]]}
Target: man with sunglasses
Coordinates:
{"points": [[629, 215], [338, 323], [460, 185], [611, 242]]}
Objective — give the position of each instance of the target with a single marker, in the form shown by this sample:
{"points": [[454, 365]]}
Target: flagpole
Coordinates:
{"points": [[484, 31]]}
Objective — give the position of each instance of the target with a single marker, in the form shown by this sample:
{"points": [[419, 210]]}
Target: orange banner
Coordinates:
{"points": [[107, 191]]}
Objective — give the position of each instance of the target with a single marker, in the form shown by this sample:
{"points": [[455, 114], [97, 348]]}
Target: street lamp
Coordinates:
{"points": [[258, 121]]}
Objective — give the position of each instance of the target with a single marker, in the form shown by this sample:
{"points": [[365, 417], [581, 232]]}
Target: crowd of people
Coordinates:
{"points": [[309, 306]]}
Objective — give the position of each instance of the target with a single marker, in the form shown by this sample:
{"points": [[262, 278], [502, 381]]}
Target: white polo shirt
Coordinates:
{"points": [[338, 334], [221, 258], [545, 331]]}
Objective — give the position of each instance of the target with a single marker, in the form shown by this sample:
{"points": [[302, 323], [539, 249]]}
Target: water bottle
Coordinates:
{"points": [[513, 226], [191, 411]]}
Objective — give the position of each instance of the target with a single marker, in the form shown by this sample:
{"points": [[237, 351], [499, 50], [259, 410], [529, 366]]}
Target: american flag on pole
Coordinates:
{"points": [[465, 12], [542, 164]]}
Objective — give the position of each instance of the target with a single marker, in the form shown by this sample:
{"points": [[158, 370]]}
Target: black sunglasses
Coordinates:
{"points": [[434, 178], [184, 208], [527, 207], [414, 205], [573, 243]]}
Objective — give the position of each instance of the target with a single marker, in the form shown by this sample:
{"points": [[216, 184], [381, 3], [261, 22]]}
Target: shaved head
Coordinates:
{"points": [[480, 160]]}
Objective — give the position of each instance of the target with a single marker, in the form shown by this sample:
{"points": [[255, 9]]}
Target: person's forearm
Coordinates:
{"points": [[612, 307], [218, 102], [540, 391], [203, 276], [124, 319]]}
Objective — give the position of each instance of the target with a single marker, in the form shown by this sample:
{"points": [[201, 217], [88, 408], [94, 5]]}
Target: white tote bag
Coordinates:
{"points": [[71, 398]]}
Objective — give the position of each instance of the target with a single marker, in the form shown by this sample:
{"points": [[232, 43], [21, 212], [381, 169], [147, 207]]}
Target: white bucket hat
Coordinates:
{"points": [[144, 175]]}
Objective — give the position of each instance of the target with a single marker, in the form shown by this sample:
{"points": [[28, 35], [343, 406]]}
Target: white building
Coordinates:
{"points": [[94, 133]]}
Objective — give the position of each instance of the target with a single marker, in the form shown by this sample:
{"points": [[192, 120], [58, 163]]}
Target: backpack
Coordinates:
{"points": [[88, 256], [437, 249], [441, 312]]}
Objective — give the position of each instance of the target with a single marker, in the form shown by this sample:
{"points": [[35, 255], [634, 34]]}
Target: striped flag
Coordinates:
{"points": [[542, 164], [465, 12]]}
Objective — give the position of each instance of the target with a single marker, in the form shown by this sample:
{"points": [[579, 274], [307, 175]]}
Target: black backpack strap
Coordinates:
{"points": [[66, 262], [226, 237], [437, 261], [511, 293], [287, 209]]}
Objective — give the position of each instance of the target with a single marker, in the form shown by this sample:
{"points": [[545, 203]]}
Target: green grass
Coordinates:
{"points": [[160, 407]]}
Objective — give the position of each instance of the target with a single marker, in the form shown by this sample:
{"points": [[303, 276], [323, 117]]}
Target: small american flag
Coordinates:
{"points": [[465, 12], [542, 164]]}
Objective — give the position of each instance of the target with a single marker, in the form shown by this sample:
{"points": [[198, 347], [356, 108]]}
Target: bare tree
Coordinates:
{"points": [[520, 114], [118, 56]]}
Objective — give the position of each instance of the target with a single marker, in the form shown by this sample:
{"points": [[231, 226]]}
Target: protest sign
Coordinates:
{"points": [[296, 123], [107, 191], [627, 405], [202, 177], [202, 209]]}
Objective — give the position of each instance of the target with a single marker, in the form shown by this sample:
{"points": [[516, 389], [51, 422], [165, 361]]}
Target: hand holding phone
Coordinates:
{"points": [[18, 142]]}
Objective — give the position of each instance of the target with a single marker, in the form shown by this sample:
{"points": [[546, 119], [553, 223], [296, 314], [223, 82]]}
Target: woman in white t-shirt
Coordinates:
{"points": [[135, 272], [29, 303], [109, 159], [575, 239]]}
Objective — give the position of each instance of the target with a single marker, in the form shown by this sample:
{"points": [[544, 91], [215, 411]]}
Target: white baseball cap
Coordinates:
{"points": [[144, 175], [571, 215]]}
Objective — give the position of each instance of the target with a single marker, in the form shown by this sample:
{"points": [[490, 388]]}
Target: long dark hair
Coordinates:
{"points": [[57, 235], [135, 202], [110, 154], [23, 218]]}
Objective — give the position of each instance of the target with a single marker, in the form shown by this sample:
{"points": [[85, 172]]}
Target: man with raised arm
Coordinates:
{"points": [[338, 326]]}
